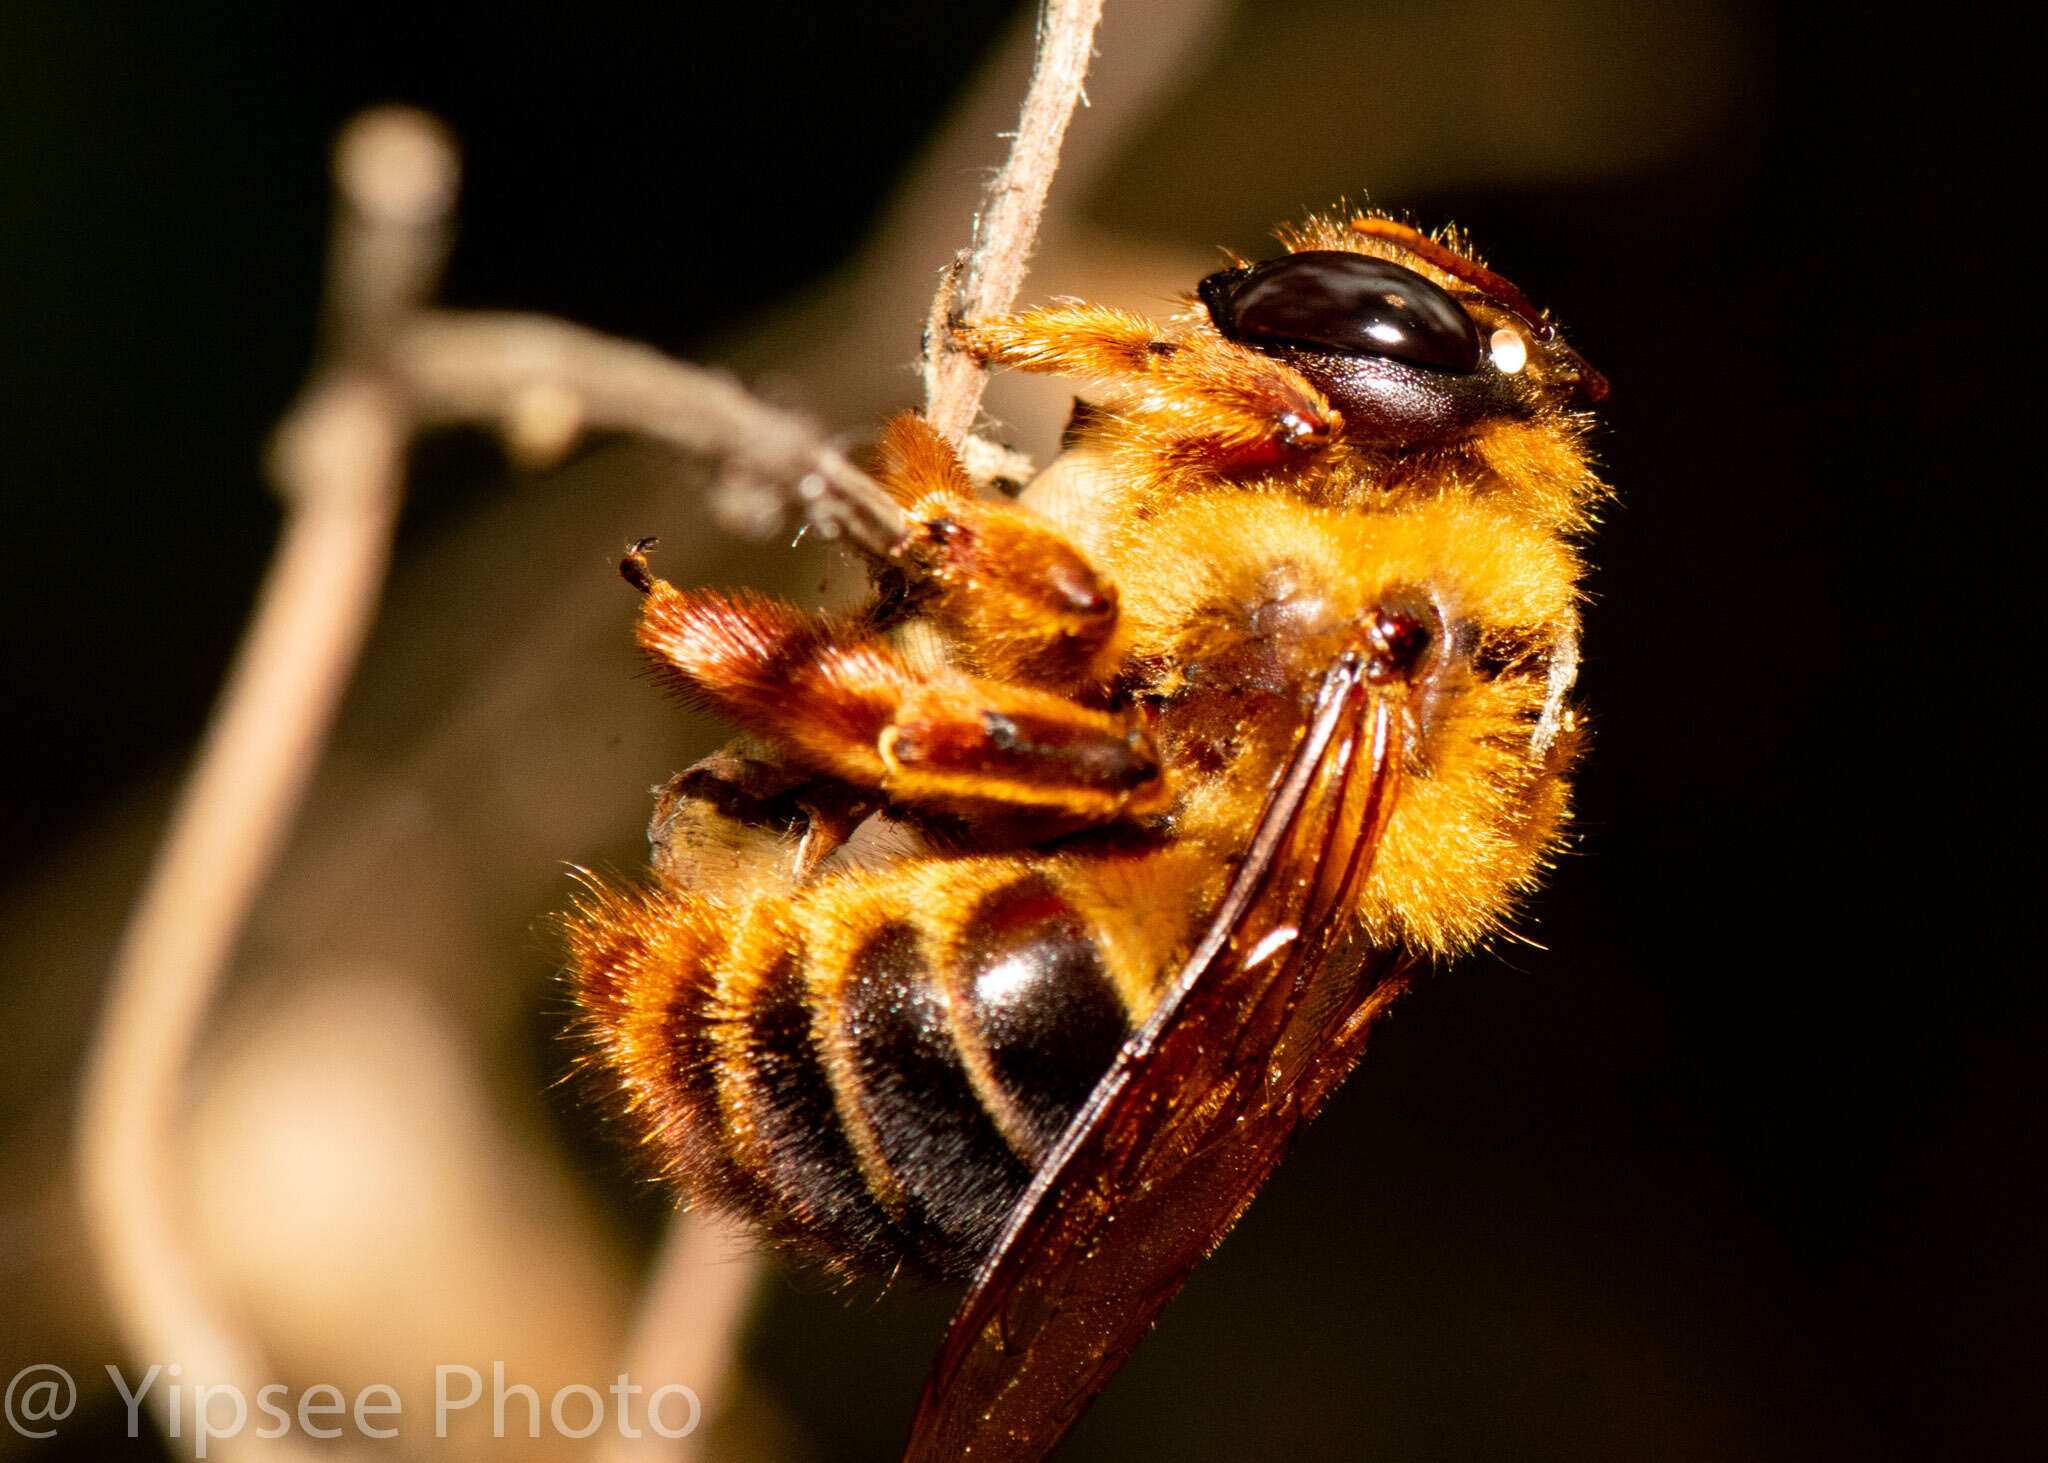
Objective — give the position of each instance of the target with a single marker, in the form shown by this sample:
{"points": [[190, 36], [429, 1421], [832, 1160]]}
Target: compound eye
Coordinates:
{"points": [[1352, 304]]}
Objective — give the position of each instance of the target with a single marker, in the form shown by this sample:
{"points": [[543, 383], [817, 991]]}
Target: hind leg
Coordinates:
{"points": [[836, 700], [743, 819]]}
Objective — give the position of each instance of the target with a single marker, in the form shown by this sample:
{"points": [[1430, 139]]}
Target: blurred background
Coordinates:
{"points": [[1741, 1161]]}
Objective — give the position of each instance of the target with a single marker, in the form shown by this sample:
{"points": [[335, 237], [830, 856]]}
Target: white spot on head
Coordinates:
{"points": [[1509, 351]]}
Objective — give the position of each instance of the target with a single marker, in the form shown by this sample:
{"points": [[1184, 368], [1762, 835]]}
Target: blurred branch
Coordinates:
{"points": [[985, 279], [703, 1272], [339, 461], [545, 380]]}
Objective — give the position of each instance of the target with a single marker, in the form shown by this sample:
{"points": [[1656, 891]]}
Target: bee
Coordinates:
{"points": [[1047, 894]]}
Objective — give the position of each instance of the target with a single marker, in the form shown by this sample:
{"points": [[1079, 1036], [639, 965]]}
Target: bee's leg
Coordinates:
{"points": [[1233, 409], [744, 818], [1019, 602], [849, 706]]}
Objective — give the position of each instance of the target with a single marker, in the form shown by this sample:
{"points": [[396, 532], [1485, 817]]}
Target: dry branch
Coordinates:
{"points": [[542, 379], [339, 462], [985, 279]]}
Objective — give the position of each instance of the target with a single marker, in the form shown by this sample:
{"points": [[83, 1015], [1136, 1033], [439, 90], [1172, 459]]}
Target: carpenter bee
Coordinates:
{"points": [[1049, 892]]}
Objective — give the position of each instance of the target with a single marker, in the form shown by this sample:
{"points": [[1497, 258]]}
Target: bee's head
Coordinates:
{"points": [[1409, 361]]}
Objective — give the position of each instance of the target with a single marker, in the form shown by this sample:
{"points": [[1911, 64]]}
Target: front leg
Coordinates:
{"points": [[1018, 602], [1221, 406], [845, 704]]}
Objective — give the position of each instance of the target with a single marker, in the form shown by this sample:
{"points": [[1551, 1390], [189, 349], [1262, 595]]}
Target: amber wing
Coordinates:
{"points": [[1265, 1018]]}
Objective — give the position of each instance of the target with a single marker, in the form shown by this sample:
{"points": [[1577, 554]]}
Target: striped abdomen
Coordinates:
{"points": [[872, 1068]]}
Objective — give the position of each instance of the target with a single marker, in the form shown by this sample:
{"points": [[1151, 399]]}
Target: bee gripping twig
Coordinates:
{"points": [[986, 279]]}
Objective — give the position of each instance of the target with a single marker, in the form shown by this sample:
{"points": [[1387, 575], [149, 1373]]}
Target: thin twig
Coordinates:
{"points": [[985, 279], [703, 1271], [339, 463], [510, 368]]}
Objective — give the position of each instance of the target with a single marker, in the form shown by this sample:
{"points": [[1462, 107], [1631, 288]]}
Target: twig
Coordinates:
{"points": [[339, 463], [535, 374], [985, 279], [703, 1271]]}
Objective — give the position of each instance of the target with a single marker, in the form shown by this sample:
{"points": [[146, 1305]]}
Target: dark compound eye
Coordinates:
{"points": [[1352, 304]]}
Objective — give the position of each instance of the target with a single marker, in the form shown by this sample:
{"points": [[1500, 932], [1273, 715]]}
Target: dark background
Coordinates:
{"points": [[1746, 1162]]}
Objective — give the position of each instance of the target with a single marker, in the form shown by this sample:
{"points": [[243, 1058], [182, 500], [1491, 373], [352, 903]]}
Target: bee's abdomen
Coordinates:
{"points": [[927, 1147], [872, 1069], [774, 1119], [1041, 1019]]}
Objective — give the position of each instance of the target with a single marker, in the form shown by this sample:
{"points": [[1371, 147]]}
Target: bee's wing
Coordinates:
{"points": [[1257, 1028]]}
